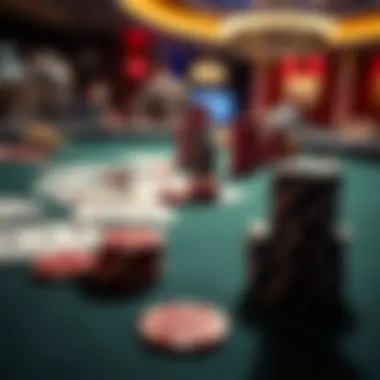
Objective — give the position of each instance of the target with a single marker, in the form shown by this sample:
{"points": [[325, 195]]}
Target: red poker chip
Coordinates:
{"points": [[117, 178], [21, 154], [133, 239], [173, 197], [62, 265], [184, 327], [205, 185]]}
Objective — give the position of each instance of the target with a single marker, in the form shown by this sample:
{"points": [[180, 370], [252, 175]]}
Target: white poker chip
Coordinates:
{"points": [[184, 327], [231, 195], [259, 229], [310, 167]]}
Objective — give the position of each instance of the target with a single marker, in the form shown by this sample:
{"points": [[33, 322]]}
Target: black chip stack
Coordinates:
{"points": [[305, 196], [298, 258], [196, 148], [204, 160]]}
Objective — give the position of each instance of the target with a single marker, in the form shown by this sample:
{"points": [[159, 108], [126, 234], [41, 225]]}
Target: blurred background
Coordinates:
{"points": [[61, 63], [86, 66]]}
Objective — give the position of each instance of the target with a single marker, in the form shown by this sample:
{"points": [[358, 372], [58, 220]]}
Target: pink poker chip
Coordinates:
{"points": [[117, 178], [173, 197], [134, 238], [184, 327], [163, 169], [62, 265]]}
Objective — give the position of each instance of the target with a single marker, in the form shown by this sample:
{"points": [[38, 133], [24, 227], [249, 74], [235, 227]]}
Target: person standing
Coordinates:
{"points": [[163, 98], [12, 77]]}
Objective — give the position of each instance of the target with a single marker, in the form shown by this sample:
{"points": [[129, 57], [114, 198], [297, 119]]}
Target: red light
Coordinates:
{"points": [[317, 65], [136, 40], [289, 66], [136, 68], [375, 69]]}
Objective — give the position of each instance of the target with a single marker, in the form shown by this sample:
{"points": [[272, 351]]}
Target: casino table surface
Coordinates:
{"points": [[61, 332]]}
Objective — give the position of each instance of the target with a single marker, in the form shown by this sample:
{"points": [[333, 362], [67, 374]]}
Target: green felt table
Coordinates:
{"points": [[60, 332]]}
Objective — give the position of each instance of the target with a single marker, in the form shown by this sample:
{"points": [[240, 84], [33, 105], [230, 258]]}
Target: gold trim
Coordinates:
{"points": [[176, 18], [198, 25], [261, 22], [358, 30], [272, 33]]}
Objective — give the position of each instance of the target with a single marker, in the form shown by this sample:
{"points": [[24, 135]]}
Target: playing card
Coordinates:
{"points": [[30, 239], [6, 246], [67, 184], [87, 236], [14, 245], [62, 236], [150, 166], [14, 208], [119, 214]]}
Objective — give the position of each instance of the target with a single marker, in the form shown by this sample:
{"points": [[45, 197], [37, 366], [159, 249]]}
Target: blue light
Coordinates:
{"points": [[220, 103]]}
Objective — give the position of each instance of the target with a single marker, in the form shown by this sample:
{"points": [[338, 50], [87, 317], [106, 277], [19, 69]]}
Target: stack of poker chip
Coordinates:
{"points": [[129, 259], [204, 161], [305, 196], [196, 157], [297, 258], [195, 152]]}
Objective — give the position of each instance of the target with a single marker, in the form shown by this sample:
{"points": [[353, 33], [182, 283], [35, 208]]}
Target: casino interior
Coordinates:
{"points": [[112, 68], [320, 59], [326, 51], [187, 154]]}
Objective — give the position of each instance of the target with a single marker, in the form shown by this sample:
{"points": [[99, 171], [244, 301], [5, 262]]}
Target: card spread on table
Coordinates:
{"points": [[23, 242], [63, 184], [121, 213], [94, 204], [12, 207]]}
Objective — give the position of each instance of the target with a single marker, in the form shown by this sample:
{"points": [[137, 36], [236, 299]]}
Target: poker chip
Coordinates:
{"points": [[175, 192], [258, 230], [133, 239], [117, 178], [129, 259], [204, 189], [308, 167], [184, 327], [21, 154], [62, 265], [163, 169], [173, 197]]}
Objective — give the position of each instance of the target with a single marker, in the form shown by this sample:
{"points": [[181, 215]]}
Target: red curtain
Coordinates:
{"points": [[274, 83], [137, 40], [313, 65], [137, 45], [322, 113], [368, 77]]}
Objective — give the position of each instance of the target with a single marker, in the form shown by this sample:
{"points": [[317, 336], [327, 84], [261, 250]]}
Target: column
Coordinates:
{"points": [[260, 90], [345, 86]]}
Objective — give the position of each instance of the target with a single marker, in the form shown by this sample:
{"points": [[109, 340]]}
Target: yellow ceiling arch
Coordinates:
{"points": [[185, 21], [176, 18], [360, 29]]}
